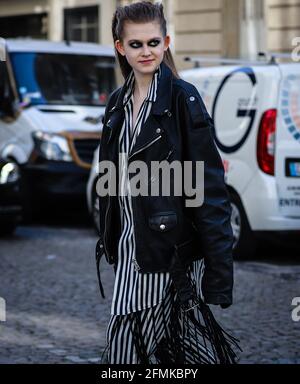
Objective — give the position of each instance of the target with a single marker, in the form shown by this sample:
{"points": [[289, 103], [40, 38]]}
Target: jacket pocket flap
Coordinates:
{"points": [[163, 221]]}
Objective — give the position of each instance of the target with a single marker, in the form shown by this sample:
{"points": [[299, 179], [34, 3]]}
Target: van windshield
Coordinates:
{"points": [[65, 79]]}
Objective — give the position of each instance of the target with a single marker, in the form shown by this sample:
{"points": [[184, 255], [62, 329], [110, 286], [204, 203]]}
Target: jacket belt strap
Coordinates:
{"points": [[99, 254]]}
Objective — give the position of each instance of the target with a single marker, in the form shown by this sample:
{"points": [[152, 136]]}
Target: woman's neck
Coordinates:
{"points": [[142, 83]]}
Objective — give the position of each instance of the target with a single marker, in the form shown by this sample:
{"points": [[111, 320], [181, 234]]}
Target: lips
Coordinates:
{"points": [[146, 61]]}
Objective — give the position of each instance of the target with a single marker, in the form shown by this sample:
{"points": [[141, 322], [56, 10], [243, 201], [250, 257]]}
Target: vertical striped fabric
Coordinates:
{"points": [[154, 326], [147, 324], [134, 291]]}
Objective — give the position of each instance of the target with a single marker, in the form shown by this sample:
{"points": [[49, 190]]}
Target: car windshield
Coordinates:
{"points": [[67, 79]]}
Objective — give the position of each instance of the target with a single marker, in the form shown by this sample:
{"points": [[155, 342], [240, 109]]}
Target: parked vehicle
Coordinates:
{"points": [[256, 111], [10, 207], [52, 98]]}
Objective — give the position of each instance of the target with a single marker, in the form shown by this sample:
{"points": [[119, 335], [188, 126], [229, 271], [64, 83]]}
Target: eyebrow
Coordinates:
{"points": [[136, 40]]}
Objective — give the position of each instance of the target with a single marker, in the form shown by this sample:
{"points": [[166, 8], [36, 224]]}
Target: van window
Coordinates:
{"points": [[65, 79]]}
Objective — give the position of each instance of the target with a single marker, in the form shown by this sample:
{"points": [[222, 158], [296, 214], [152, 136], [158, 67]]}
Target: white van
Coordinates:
{"points": [[256, 111], [52, 98]]}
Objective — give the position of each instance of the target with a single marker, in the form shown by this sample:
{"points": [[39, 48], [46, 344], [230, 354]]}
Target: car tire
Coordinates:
{"points": [[245, 243]]}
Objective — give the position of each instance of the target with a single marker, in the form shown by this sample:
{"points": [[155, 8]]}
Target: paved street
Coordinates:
{"points": [[55, 314]]}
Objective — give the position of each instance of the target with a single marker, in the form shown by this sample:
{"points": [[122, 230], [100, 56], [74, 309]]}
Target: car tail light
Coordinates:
{"points": [[266, 142]]}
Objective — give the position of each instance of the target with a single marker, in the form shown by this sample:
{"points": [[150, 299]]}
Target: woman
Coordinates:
{"points": [[170, 258]]}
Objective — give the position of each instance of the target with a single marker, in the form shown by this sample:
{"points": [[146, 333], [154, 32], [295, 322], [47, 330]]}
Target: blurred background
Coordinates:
{"points": [[228, 28], [57, 69]]}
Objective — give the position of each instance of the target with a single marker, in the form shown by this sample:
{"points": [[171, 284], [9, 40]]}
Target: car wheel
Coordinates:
{"points": [[245, 244]]}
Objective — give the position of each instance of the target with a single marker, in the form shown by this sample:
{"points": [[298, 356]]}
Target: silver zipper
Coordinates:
{"points": [[136, 266], [169, 154], [146, 146], [134, 261]]}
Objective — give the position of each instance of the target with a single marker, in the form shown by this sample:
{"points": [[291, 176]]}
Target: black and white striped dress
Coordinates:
{"points": [[146, 324], [134, 291]]}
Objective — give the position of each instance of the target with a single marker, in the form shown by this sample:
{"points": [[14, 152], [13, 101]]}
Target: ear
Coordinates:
{"points": [[119, 47], [167, 41]]}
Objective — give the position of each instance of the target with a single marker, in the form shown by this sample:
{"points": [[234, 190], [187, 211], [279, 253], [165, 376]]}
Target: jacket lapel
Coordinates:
{"points": [[148, 134], [149, 131]]}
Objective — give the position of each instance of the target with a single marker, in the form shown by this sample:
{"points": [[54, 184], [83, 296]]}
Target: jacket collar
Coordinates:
{"points": [[151, 94], [162, 104]]}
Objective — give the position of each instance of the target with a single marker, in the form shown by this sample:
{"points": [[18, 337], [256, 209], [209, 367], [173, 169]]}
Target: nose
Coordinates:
{"points": [[146, 50]]}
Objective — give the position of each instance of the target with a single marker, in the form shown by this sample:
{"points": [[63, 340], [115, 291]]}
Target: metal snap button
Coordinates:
{"points": [[169, 114], [192, 98], [158, 130], [162, 226], [101, 245]]}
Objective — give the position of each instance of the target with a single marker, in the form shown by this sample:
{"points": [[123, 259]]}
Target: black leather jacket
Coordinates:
{"points": [[178, 128]]}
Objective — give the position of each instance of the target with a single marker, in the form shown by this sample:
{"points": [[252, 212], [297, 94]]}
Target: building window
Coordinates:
{"points": [[82, 24], [34, 26]]}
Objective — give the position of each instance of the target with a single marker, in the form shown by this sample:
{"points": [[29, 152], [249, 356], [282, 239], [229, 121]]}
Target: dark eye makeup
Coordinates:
{"points": [[138, 44]]}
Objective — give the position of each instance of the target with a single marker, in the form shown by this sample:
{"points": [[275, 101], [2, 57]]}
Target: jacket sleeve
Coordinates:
{"points": [[101, 152], [111, 100], [212, 218], [109, 104]]}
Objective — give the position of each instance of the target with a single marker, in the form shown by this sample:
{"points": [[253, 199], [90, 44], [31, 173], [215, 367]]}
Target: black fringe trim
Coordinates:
{"points": [[191, 336]]}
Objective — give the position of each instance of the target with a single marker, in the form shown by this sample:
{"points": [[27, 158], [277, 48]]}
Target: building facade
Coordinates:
{"points": [[78, 20], [229, 28]]}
